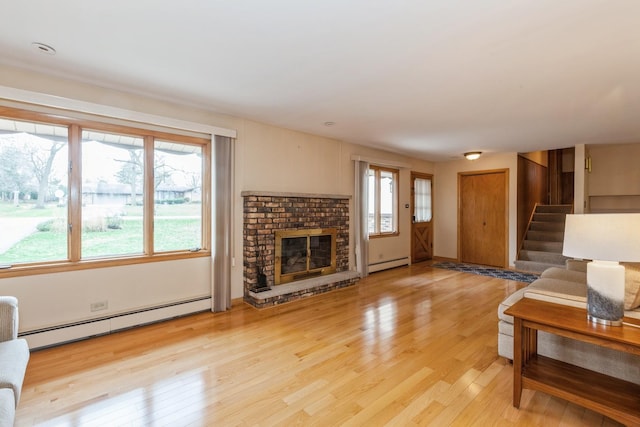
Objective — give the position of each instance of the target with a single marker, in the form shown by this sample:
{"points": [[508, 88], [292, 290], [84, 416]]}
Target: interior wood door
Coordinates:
{"points": [[483, 217], [421, 217]]}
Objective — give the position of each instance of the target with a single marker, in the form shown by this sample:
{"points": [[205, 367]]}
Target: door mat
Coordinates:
{"points": [[487, 271]]}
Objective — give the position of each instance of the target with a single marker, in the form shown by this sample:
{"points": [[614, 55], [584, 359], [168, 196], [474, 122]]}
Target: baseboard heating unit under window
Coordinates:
{"points": [[385, 265], [48, 337]]}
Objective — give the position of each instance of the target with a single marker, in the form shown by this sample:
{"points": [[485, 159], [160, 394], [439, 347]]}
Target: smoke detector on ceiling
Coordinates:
{"points": [[43, 48]]}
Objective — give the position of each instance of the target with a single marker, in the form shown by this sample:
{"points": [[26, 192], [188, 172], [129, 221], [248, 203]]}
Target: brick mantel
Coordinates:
{"points": [[264, 213], [297, 195]]}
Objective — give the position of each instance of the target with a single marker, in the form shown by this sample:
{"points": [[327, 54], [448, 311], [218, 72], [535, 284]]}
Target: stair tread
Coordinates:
{"points": [[549, 236], [533, 266], [550, 217], [555, 208], [542, 246], [547, 226], [543, 256]]}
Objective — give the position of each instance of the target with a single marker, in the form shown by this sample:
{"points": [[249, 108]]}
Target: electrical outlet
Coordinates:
{"points": [[100, 305]]}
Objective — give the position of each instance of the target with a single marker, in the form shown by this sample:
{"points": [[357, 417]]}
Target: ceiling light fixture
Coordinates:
{"points": [[473, 155], [43, 48]]}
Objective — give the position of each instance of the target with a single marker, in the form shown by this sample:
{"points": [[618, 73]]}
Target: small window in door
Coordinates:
{"points": [[422, 200]]}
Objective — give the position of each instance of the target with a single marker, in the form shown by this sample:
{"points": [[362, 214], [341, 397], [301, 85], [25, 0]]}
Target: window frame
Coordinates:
{"points": [[149, 134], [377, 170]]}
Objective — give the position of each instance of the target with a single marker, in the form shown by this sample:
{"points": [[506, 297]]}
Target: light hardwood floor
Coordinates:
{"points": [[404, 347]]}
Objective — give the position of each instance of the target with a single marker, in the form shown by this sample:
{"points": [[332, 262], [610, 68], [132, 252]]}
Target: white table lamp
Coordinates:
{"points": [[606, 239]]}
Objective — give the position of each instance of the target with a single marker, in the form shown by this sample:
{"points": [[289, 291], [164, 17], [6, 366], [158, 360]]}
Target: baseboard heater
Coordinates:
{"points": [[385, 265], [62, 334]]}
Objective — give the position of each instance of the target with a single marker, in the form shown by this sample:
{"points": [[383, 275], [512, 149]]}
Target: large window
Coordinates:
{"points": [[82, 191], [383, 201]]}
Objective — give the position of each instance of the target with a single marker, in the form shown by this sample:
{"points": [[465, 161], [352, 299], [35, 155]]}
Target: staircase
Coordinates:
{"points": [[542, 247]]}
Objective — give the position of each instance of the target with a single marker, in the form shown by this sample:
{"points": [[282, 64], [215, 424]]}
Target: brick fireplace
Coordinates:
{"points": [[266, 214]]}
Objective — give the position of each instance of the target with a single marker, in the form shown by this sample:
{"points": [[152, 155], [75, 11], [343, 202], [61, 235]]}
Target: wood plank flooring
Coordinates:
{"points": [[405, 347]]}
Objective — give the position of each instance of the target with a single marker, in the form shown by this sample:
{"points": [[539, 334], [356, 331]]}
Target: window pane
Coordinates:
{"points": [[33, 192], [178, 196], [422, 201], [387, 202], [112, 194], [372, 202]]}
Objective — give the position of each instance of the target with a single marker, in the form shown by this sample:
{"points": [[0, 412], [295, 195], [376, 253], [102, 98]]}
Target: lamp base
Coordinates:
{"points": [[604, 321], [603, 309]]}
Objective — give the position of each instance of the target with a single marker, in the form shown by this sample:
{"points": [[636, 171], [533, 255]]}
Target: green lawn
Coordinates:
{"points": [[170, 233], [184, 209], [28, 210], [40, 246]]}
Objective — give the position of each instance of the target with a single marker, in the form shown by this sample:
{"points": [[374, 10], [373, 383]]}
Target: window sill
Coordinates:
{"points": [[383, 235], [64, 266]]}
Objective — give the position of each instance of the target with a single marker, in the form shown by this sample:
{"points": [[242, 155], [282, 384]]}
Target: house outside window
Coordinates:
{"points": [[383, 201]]}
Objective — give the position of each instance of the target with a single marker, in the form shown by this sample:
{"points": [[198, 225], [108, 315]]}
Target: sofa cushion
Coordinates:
{"points": [[505, 345], [14, 356], [577, 264], [558, 291], [7, 408], [508, 302], [564, 274], [631, 285], [9, 316], [505, 328]]}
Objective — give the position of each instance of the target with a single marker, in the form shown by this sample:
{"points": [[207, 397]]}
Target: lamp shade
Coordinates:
{"points": [[604, 237]]}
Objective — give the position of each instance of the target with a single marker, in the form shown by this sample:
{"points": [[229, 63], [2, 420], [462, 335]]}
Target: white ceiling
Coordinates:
{"points": [[428, 78]]}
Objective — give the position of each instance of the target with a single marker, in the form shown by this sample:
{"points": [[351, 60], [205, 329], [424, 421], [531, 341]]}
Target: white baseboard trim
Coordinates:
{"points": [[385, 265], [77, 331]]}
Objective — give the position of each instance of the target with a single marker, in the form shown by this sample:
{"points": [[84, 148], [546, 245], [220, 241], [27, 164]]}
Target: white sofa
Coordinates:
{"points": [[14, 356], [567, 286]]}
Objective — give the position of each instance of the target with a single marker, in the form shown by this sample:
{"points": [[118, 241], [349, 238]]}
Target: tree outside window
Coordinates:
{"points": [[33, 189]]}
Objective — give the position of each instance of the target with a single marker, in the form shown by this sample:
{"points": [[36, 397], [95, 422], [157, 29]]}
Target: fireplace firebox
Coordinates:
{"points": [[300, 254]]}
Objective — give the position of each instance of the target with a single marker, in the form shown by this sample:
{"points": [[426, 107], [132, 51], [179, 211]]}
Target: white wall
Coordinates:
{"points": [[267, 158], [446, 200], [61, 298], [614, 170]]}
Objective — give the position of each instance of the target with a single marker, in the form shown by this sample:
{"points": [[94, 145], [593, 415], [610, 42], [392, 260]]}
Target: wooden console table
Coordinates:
{"points": [[612, 397]]}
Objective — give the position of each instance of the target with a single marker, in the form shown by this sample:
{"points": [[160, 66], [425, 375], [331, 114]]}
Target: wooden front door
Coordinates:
{"points": [[483, 217], [422, 217]]}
